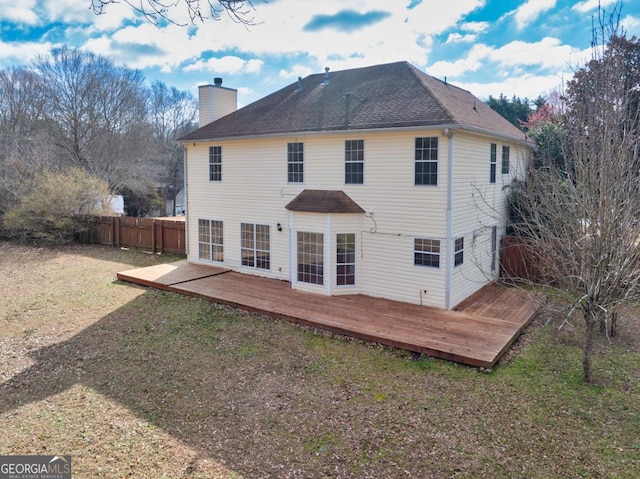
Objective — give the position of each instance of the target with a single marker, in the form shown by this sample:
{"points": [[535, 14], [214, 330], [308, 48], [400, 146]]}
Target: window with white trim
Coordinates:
{"points": [[295, 162], [458, 251], [426, 252], [354, 162], [426, 161], [505, 160], [310, 257], [210, 240], [215, 163], [493, 163], [345, 259], [255, 246]]}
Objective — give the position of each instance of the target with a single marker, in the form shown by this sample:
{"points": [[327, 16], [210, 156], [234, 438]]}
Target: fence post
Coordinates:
{"points": [[153, 236], [117, 236], [161, 238]]}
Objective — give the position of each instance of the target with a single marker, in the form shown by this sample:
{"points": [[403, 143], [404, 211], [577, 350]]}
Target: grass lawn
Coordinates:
{"points": [[137, 383]]}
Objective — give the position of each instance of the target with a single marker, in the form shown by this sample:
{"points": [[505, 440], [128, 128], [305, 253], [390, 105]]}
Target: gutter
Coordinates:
{"points": [[285, 134]]}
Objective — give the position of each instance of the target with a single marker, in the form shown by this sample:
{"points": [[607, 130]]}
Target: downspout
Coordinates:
{"points": [[293, 265], [328, 255], [449, 240], [186, 202]]}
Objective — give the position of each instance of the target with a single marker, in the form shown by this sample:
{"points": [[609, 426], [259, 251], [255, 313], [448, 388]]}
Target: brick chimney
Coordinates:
{"points": [[216, 101]]}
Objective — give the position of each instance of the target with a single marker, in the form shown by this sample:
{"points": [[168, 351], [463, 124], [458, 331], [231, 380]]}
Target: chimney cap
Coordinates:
{"points": [[217, 81]]}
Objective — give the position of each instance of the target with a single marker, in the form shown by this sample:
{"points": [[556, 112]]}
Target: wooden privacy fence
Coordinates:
{"points": [[151, 234], [518, 260]]}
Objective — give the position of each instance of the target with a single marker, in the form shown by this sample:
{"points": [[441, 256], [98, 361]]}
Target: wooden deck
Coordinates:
{"points": [[477, 333]]}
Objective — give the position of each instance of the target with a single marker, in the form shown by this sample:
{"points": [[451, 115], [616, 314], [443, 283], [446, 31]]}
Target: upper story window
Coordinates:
{"points": [[426, 252], [354, 162], [493, 163], [295, 163], [505, 160], [215, 163], [426, 161]]}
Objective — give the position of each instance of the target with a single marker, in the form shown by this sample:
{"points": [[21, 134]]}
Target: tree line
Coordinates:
{"points": [[75, 119]]}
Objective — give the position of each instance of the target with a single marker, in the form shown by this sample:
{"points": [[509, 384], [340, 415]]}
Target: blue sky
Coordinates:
{"points": [[516, 47]]}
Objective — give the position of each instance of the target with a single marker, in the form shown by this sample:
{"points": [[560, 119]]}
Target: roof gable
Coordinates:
{"points": [[394, 95]]}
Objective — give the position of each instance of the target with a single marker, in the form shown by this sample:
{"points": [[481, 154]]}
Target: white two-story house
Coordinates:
{"points": [[382, 181]]}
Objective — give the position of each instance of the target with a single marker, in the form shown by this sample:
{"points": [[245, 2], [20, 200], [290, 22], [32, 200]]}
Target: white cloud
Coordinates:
{"points": [[548, 54], [19, 12], [296, 71], [475, 27], [226, 65], [471, 63], [22, 53], [631, 25], [458, 38], [525, 86], [589, 5], [531, 10]]}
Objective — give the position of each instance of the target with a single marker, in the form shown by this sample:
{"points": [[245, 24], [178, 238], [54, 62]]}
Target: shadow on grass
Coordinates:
{"points": [[267, 399], [245, 391]]}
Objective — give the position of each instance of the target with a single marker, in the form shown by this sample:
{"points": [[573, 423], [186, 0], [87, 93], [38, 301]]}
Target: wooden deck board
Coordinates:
{"points": [[477, 333]]}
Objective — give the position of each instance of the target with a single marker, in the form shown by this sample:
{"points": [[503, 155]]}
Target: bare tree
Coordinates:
{"points": [[173, 113], [157, 11], [21, 147], [580, 216], [96, 116]]}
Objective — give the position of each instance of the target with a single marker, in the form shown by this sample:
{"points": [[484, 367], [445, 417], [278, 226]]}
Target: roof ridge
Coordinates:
{"points": [[419, 76]]}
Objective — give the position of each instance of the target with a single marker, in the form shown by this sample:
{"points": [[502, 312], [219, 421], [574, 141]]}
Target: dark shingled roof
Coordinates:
{"points": [[393, 95], [324, 201]]}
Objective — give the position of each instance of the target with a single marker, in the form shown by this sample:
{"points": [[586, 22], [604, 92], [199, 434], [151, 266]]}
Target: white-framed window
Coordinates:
{"points": [[310, 257], [426, 161], [426, 252], [505, 160], [493, 163], [295, 162], [210, 240], [215, 163], [458, 257], [354, 162], [255, 246], [345, 259]]}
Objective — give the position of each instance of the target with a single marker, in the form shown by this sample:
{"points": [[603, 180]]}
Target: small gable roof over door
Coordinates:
{"points": [[324, 201]]}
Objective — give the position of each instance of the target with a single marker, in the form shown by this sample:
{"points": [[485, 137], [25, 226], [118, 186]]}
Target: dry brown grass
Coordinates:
{"points": [[143, 384]]}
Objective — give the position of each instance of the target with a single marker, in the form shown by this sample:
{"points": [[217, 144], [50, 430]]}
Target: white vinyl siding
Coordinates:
{"points": [[397, 210]]}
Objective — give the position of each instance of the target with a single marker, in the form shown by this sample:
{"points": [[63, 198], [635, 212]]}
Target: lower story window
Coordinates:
{"points": [[459, 252], [345, 259], [310, 257], [426, 252], [255, 245], [210, 240]]}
